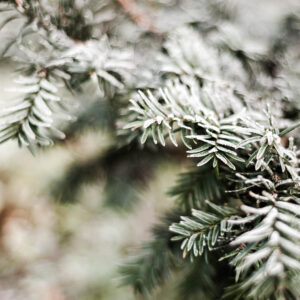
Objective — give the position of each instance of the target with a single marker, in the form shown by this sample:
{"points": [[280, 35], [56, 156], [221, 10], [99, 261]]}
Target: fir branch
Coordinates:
{"points": [[204, 231], [109, 68], [31, 119], [272, 249], [155, 261], [170, 113], [194, 187]]}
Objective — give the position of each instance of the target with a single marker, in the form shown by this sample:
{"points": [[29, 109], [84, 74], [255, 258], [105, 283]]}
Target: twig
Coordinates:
{"points": [[141, 20]]}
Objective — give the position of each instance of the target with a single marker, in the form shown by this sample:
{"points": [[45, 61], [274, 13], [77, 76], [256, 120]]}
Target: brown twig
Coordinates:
{"points": [[19, 2], [140, 19]]}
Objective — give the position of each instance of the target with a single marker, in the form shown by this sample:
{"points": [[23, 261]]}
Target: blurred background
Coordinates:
{"points": [[71, 214], [53, 250]]}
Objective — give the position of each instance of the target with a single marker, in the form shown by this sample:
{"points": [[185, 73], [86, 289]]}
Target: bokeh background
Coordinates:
{"points": [[52, 250], [66, 224]]}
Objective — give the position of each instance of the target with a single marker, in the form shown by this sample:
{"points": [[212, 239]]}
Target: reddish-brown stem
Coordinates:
{"points": [[140, 19]]}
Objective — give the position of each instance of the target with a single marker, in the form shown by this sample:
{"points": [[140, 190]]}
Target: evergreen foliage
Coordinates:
{"points": [[232, 110]]}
